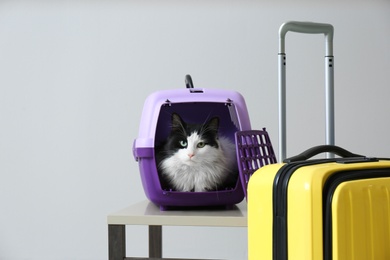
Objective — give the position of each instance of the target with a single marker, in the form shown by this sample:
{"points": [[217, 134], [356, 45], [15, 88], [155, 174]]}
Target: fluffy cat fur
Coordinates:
{"points": [[195, 158]]}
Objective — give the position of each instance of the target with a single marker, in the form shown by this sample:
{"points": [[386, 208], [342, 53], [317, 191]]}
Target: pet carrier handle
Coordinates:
{"points": [[188, 81], [312, 28], [321, 149]]}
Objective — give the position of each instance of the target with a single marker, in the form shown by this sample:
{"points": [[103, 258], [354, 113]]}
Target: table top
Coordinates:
{"points": [[147, 213]]}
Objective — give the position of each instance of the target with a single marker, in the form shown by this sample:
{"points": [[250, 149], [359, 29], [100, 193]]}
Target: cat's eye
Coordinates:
{"points": [[201, 144], [183, 143]]}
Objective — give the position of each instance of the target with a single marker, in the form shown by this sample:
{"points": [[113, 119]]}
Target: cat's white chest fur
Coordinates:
{"points": [[200, 168]]}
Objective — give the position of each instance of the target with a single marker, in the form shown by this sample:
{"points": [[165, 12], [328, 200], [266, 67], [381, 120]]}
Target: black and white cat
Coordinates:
{"points": [[195, 158]]}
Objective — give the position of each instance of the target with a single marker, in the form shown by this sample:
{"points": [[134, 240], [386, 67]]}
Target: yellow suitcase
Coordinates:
{"points": [[336, 208]]}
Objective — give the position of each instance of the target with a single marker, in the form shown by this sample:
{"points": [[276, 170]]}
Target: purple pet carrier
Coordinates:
{"points": [[254, 150], [195, 105]]}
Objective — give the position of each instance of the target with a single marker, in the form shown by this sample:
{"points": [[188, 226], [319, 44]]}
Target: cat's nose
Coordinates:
{"points": [[190, 155]]}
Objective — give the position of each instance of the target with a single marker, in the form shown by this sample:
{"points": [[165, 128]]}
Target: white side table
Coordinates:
{"points": [[147, 213]]}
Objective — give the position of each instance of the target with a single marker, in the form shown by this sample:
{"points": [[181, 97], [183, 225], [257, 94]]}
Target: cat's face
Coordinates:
{"points": [[194, 158], [193, 143]]}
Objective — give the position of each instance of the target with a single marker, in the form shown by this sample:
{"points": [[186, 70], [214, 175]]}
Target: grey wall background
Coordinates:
{"points": [[74, 75]]}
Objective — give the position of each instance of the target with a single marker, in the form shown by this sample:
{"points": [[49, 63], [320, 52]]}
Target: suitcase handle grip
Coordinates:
{"points": [[321, 149], [307, 27]]}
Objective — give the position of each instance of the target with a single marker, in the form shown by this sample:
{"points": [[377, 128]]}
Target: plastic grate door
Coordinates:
{"points": [[254, 150]]}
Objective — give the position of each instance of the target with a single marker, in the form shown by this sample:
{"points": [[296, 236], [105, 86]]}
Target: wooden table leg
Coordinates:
{"points": [[116, 242], [155, 241]]}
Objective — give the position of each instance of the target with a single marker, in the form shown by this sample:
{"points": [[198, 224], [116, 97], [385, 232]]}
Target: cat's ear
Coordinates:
{"points": [[177, 122], [213, 124]]}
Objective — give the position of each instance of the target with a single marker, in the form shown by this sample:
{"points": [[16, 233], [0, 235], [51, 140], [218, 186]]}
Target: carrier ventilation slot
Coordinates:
{"points": [[193, 90]]}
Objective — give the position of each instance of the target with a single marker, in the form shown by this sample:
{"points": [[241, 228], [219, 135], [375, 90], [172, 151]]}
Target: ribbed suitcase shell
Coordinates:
{"points": [[367, 203], [360, 213]]}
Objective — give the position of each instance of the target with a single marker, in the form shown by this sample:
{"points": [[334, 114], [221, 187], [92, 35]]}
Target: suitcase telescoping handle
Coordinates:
{"points": [[312, 28], [322, 149], [307, 27]]}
